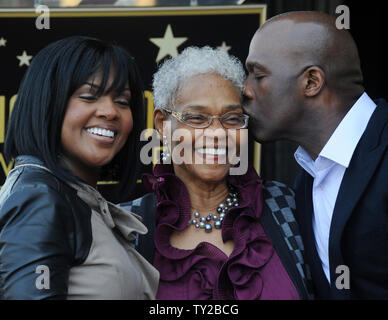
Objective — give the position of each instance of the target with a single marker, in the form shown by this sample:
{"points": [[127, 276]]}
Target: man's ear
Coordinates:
{"points": [[159, 118], [313, 81]]}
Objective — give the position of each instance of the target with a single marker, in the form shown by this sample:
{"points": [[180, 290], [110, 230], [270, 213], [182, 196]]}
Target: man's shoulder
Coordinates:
{"points": [[381, 102], [381, 107], [378, 125]]}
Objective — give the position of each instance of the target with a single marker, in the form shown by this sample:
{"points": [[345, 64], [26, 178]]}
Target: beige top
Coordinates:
{"points": [[113, 268]]}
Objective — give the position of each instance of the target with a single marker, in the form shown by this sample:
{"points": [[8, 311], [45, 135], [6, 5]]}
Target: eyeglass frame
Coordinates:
{"points": [[178, 115]]}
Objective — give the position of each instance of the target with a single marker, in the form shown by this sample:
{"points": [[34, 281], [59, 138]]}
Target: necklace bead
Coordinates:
{"points": [[208, 227], [218, 217]]}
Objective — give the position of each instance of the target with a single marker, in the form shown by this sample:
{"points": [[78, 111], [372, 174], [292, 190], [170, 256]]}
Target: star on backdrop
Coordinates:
{"points": [[24, 59], [168, 45], [224, 47], [2, 42]]}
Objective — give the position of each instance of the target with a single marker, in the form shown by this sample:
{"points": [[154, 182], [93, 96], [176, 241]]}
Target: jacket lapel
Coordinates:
{"points": [[357, 176], [304, 207]]}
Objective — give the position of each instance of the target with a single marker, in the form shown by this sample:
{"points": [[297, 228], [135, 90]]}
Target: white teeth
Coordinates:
{"points": [[212, 151], [101, 132]]}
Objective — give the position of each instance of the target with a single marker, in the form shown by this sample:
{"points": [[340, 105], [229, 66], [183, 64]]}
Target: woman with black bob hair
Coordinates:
{"points": [[57, 71], [77, 120]]}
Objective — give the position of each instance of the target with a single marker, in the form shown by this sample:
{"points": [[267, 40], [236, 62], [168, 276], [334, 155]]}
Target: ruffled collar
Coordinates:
{"points": [[168, 186], [172, 192], [239, 274]]}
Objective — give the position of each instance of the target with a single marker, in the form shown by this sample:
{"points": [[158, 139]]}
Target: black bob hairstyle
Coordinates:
{"points": [[55, 73]]}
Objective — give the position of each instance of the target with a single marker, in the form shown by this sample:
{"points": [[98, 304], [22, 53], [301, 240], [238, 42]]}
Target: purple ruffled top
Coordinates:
{"points": [[252, 271]]}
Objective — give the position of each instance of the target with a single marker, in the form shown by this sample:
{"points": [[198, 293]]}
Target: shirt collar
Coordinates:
{"points": [[342, 143], [344, 140], [305, 161]]}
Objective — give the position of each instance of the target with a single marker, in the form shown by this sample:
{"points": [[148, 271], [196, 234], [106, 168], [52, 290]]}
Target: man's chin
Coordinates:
{"points": [[260, 136], [254, 130]]}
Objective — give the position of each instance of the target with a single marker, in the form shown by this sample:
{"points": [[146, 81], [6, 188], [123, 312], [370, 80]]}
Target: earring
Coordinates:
{"points": [[166, 151]]}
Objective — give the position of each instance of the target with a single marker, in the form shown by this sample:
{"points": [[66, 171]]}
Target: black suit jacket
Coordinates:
{"points": [[359, 229]]}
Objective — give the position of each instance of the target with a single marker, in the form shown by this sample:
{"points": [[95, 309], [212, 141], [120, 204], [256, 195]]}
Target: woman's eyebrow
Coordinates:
{"points": [[227, 108], [234, 107], [98, 87], [195, 107], [92, 85]]}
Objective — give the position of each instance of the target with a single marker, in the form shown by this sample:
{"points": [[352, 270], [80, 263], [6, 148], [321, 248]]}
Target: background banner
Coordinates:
{"points": [[149, 34]]}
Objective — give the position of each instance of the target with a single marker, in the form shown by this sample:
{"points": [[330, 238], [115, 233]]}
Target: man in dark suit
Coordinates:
{"points": [[305, 85]]}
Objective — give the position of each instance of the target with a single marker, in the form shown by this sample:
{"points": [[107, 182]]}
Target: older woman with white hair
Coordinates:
{"points": [[217, 235]]}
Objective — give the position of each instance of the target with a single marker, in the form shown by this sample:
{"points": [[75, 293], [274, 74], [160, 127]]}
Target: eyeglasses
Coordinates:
{"points": [[202, 121]]}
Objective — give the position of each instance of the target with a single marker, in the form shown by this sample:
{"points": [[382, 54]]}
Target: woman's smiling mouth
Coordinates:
{"points": [[105, 136], [101, 132]]}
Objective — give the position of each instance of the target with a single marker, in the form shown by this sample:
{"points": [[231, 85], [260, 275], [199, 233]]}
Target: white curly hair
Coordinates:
{"points": [[193, 61]]}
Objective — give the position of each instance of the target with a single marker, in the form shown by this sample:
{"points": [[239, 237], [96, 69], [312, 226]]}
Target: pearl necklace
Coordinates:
{"points": [[206, 222]]}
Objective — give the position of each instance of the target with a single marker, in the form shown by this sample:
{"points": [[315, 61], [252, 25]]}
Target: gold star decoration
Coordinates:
{"points": [[168, 44], [224, 47], [24, 59], [2, 42]]}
